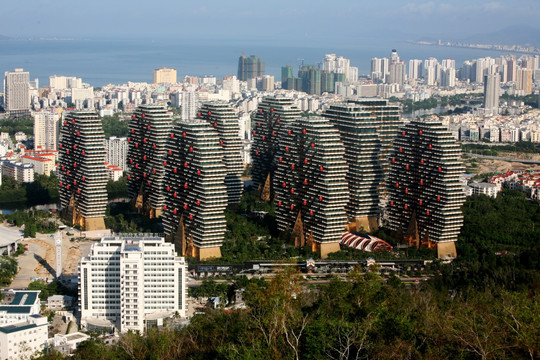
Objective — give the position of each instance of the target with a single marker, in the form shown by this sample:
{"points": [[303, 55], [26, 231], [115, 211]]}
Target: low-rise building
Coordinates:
{"points": [[22, 339], [66, 344], [57, 302], [17, 170], [41, 165], [485, 188], [19, 306]]}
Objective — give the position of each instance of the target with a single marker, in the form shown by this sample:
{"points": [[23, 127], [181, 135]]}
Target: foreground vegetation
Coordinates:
{"points": [[483, 305], [44, 190]]}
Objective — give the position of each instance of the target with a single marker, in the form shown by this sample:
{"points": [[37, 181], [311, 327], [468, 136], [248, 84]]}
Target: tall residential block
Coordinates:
{"points": [[367, 128], [190, 105], [250, 67], [491, 93], [165, 76], [17, 93], [131, 282], [196, 195], [46, 127], [310, 186], [116, 150], [222, 118], [149, 130], [424, 187], [81, 170], [272, 117], [287, 77]]}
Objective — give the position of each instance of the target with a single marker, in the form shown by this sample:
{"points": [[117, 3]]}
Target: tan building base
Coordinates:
{"points": [[446, 250], [327, 248], [365, 223], [155, 213], [91, 224], [208, 253]]}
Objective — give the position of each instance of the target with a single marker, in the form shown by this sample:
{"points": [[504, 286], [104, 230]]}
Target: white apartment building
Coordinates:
{"points": [[23, 339], [46, 129], [131, 282], [485, 188], [190, 105], [116, 152], [17, 170]]}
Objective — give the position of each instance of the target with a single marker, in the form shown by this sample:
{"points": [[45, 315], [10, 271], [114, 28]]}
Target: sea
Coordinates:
{"points": [[115, 61]]}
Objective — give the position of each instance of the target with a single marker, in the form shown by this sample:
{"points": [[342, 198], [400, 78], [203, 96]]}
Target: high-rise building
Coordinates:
{"points": [[131, 282], [311, 79], [328, 82], [448, 77], [46, 129], [81, 170], [222, 117], [165, 76], [415, 68], [430, 71], [512, 68], [17, 93], [271, 119], [424, 187], [491, 93], [190, 105], [267, 83], [116, 150], [524, 81], [250, 67], [310, 186], [367, 128], [196, 195], [287, 77], [397, 73], [149, 127]]}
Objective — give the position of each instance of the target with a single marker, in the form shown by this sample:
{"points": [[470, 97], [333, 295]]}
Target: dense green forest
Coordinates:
{"points": [[117, 189], [11, 126], [44, 190], [113, 126]]}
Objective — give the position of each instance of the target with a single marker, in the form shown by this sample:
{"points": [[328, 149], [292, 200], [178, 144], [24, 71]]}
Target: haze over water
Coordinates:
{"points": [[104, 61]]}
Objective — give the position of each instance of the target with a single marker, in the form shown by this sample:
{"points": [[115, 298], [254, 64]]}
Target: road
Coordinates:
{"points": [[524, 161]]}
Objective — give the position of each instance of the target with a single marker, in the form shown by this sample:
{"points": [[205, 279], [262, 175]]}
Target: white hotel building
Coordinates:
{"points": [[131, 282]]}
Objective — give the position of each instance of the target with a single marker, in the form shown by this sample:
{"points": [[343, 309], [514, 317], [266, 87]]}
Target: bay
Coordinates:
{"points": [[103, 61]]}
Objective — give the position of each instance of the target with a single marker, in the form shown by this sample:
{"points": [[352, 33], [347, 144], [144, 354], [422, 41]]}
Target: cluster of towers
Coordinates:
{"points": [[187, 173], [334, 173], [349, 170]]}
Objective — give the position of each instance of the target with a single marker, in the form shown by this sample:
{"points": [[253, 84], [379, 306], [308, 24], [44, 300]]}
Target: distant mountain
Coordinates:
{"points": [[517, 34]]}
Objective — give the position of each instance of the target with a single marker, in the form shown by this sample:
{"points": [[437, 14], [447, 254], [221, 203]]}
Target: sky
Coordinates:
{"points": [[290, 21]]}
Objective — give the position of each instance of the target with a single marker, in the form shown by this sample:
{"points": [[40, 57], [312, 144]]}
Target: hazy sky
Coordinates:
{"points": [[296, 20]]}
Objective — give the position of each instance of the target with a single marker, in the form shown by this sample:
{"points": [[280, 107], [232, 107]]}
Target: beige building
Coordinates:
{"points": [[165, 75], [43, 165]]}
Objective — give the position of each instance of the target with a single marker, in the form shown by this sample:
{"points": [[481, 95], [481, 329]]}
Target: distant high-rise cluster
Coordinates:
{"points": [[16, 93], [250, 67], [149, 128], [424, 188], [81, 170]]}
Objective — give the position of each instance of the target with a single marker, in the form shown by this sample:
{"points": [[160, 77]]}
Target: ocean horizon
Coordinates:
{"points": [[104, 61]]}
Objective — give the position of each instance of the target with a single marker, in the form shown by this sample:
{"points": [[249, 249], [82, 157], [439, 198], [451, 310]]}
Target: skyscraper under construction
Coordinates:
{"points": [[424, 189], [81, 171], [149, 130], [250, 67]]}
